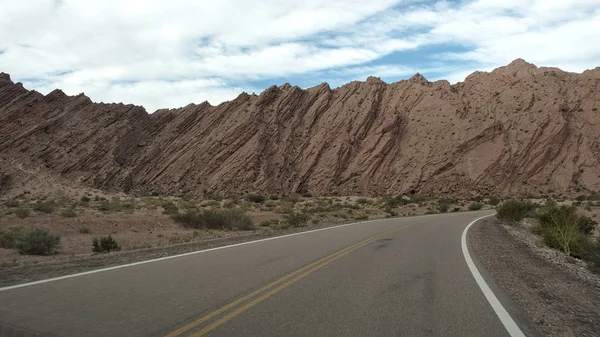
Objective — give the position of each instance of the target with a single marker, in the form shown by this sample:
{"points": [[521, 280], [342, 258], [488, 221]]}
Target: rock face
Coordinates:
{"points": [[517, 130]]}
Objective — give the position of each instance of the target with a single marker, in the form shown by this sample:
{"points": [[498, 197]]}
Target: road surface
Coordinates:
{"points": [[393, 277]]}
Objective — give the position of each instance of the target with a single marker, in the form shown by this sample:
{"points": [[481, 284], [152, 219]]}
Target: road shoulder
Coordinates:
{"points": [[557, 302]]}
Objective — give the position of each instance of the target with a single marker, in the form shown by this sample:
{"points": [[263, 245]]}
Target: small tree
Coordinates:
{"points": [[561, 228]]}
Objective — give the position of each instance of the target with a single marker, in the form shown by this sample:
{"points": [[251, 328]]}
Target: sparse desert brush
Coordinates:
{"points": [[68, 213], [256, 198], [21, 212], [46, 207], [215, 219], [12, 203]]}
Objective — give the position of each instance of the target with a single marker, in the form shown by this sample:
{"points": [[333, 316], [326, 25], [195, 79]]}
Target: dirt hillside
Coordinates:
{"points": [[519, 129]]}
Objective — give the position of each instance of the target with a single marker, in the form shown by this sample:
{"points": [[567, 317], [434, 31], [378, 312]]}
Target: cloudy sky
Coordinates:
{"points": [[170, 53]]}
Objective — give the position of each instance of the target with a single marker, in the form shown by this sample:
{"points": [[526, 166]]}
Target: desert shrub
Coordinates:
{"points": [[361, 217], [155, 194], [456, 209], [294, 198], [475, 206], [513, 211], [265, 223], [105, 244], [68, 213], [256, 198], [12, 203], [37, 241], [274, 197], [169, 207], [395, 202], [114, 205], [85, 199], [563, 228], [46, 207], [306, 195], [417, 199], [8, 237], [493, 200], [84, 230], [362, 201], [296, 219], [215, 219], [550, 203], [22, 212], [286, 207], [580, 198], [443, 207]]}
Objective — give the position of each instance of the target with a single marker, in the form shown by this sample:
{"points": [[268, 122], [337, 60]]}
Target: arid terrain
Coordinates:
{"points": [[518, 130], [148, 221]]}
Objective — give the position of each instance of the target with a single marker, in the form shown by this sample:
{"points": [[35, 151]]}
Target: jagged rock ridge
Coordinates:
{"points": [[519, 129]]}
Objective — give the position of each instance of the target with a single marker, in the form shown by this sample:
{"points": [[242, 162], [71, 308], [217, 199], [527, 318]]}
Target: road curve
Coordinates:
{"points": [[393, 277]]}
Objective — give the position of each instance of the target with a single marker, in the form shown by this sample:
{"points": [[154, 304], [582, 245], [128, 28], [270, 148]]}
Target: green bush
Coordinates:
{"points": [[22, 212], [417, 199], [169, 208], [46, 207], [443, 207], [395, 202], [68, 213], [104, 244], [12, 203], [296, 219], [513, 211], [256, 198], [563, 228], [84, 230], [306, 195], [494, 200], [114, 205], [456, 209], [475, 206], [274, 197], [215, 219], [8, 237], [85, 199], [37, 242]]}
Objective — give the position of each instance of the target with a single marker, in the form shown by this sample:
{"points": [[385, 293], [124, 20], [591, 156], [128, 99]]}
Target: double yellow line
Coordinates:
{"points": [[279, 285]]}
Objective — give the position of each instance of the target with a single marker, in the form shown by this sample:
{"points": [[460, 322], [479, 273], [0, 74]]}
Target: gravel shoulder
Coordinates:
{"points": [[23, 273], [556, 292]]}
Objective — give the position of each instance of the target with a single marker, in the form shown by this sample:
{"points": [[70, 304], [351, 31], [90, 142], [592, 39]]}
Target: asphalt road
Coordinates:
{"points": [[395, 277]]}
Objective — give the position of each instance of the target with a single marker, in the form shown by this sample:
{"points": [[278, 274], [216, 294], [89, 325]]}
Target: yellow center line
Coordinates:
{"points": [[315, 266]]}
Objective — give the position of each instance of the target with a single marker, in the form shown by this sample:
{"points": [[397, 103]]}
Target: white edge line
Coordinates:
{"points": [[509, 324], [178, 255]]}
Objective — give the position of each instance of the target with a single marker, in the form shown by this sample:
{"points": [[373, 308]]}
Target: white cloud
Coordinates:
{"points": [[168, 54]]}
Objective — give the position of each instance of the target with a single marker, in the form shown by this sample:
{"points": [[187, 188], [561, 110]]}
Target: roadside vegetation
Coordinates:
{"points": [[93, 221], [562, 227]]}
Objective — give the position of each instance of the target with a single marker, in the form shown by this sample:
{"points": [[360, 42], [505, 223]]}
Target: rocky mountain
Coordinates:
{"points": [[519, 129]]}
